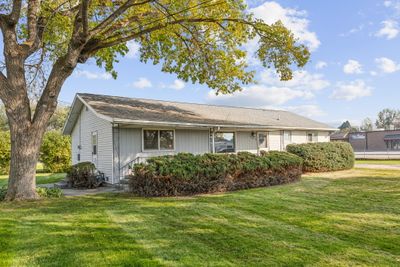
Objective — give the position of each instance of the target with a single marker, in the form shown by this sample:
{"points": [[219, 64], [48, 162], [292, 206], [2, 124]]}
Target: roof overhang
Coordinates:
{"points": [[79, 103]]}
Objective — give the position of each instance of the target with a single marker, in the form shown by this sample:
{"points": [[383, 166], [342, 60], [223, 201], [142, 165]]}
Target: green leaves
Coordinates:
{"points": [[199, 41]]}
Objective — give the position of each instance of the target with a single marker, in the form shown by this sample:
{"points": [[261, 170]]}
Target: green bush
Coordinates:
{"points": [[49, 192], [82, 175], [42, 192], [5, 152], [55, 153], [188, 174], [3, 192], [322, 157]]}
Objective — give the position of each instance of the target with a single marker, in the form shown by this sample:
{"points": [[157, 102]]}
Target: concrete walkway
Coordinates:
{"points": [[83, 192], [378, 166]]}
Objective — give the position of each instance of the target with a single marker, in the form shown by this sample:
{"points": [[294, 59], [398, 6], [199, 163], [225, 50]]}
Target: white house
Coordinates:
{"points": [[114, 132]]}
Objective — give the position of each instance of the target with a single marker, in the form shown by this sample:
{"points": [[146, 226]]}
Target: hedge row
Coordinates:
{"points": [[188, 174], [323, 157]]}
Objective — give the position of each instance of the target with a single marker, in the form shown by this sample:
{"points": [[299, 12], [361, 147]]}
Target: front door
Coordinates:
{"points": [[94, 148], [262, 141]]}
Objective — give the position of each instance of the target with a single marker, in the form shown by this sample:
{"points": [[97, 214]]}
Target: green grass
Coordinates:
{"points": [[332, 219], [379, 162], [41, 178]]}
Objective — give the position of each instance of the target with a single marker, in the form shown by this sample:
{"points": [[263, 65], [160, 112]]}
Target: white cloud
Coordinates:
{"points": [[387, 65], [294, 19], [93, 75], [142, 83], [387, 3], [133, 49], [351, 90], [302, 80], [307, 110], [321, 65], [352, 67], [177, 85], [390, 29], [258, 96]]}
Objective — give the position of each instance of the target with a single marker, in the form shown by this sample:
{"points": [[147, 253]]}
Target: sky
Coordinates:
{"points": [[353, 73]]}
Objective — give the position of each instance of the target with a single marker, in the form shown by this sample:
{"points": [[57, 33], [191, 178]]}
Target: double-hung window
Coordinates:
{"points": [[287, 136], [312, 137], [158, 139]]}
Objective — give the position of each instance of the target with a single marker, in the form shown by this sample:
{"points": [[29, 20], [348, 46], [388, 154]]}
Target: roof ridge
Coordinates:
{"points": [[190, 103]]}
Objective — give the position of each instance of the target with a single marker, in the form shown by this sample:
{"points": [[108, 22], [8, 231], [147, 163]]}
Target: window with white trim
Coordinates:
{"points": [[158, 139]]}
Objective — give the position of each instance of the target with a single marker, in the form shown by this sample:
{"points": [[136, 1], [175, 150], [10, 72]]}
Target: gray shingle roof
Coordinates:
{"points": [[123, 109]]}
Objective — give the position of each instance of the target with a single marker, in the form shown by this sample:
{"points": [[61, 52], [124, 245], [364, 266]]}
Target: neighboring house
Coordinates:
{"points": [[114, 132], [375, 141], [340, 136]]}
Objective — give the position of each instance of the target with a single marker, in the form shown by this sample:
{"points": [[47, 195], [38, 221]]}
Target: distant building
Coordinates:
{"points": [[371, 141]]}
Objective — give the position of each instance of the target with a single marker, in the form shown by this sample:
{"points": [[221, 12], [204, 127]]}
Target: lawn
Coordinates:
{"points": [[379, 161], [41, 178], [332, 219]]}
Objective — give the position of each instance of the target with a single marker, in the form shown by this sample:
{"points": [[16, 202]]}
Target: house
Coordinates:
{"points": [[340, 137], [375, 141], [114, 132]]}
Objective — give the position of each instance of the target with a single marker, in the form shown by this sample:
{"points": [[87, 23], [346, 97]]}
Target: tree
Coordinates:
{"points": [[55, 152], [3, 119], [346, 127], [388, 119], [367, 125], [57, 120], [200, 41]]}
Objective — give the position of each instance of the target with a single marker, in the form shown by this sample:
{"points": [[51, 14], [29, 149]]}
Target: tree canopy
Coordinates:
{"points": [[202, 41], [388, 119]]}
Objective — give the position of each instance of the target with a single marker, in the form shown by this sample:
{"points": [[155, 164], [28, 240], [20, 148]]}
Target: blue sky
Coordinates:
{"points": [[354, 70]]}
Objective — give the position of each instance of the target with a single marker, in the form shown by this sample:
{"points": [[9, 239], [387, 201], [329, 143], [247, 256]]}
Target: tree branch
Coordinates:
{"points": [[85, 19], [13, 17]]}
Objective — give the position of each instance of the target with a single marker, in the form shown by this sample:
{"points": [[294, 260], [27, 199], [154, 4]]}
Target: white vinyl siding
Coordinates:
{"points": [[86, 124], [246, 142]]}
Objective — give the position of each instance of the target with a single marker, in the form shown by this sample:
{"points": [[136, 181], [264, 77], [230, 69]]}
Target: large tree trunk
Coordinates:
{"points": [[25, 147]]}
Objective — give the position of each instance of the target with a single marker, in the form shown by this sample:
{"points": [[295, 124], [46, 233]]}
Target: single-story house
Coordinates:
{"points": [[340, 136], [115, 132]]}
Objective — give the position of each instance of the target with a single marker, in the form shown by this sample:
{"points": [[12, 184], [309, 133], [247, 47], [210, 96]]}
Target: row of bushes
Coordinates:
{"points": [[323, 157], [55, 152], [188, 174]]}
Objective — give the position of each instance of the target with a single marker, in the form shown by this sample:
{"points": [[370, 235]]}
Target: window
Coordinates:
{"points": [[94, 143], [393, 144], [158, 139], [287, 136], [166, 140], [224, 142], [262, 140], [312, 137]]}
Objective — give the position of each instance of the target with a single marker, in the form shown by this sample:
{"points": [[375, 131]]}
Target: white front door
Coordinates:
{"points": [[262, 141], [94, 148]]}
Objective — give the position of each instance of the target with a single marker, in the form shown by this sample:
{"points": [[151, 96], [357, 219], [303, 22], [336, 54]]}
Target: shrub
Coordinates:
{"points": [[82, 175], [188, 174], [49, 192], [42, 192], [3, 192], [5, 152], [55, 153], [322, 157]]}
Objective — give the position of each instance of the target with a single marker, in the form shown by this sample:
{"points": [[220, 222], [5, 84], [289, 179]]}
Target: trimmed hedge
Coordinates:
{"points": [[323, 157], [188, 174]]}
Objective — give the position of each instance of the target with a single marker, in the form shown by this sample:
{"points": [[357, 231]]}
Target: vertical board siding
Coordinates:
{"points": [[87, 123], [246, 142], [192, 141], [274, 138]]}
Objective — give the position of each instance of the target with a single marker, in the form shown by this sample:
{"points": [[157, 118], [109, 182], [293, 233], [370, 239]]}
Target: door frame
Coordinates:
{"points": [[267, 140], [95, 157]]}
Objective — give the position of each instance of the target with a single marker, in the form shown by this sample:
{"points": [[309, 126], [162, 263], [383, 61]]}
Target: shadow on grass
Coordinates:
{"points": [[317, 221]]}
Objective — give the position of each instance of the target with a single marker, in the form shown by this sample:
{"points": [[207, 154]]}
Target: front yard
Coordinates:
{"points": [[41, 178], [343, 218]]}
